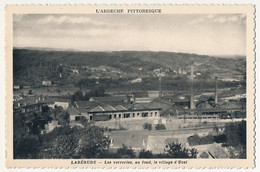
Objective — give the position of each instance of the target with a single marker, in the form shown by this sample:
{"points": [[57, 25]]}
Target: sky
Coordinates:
{"points": [[205, 34]]}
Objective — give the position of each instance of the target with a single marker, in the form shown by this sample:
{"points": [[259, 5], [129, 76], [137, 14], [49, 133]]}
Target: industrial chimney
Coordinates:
{"points": [[160, 86], [216, 90], [192, 106]]}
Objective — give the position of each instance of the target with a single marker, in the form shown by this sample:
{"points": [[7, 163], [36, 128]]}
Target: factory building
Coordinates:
{"points": [[98, 111]]}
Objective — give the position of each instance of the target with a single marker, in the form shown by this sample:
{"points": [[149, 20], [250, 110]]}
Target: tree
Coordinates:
{"points": [[63, 118], [93, 142], [176, 150], [78, 95], [61, 143], [95, 92], [83, 121]]}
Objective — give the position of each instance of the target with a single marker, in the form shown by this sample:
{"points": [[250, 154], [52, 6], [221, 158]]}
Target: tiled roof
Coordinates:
{"points": [[73, 111], [97, 109], [109, 108], [88, 104], [120, 107], [30, 100], [216, 151]]}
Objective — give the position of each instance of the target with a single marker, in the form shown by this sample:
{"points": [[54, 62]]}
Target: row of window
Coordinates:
{"points": [[127, 115], [197, 117]]}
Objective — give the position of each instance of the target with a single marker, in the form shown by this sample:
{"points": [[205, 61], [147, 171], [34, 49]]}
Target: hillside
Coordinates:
{"points": [[32, 66]]}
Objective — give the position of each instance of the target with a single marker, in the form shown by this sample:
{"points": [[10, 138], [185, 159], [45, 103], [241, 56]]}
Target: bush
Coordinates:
{"points": [[160, 127], [205, 123], [147, 126], [194, 140], [125, 152], [146, 154], [197, 140]]}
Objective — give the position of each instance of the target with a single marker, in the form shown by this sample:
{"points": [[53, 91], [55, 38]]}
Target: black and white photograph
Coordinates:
{"points": [[129, 86]]}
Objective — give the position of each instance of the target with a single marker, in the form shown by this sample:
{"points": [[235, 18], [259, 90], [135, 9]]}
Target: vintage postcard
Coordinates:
{"points": [[130, 86]]}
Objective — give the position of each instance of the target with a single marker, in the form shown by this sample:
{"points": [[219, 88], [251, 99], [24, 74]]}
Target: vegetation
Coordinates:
{"points": [[146, 154], [147, 126], [60, 115], [176, 150], [160, 127], [236, 138], [95, 92], [125, 152], [209, 139], [197, 140]]}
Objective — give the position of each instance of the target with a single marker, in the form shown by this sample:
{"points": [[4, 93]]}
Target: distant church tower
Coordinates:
{"points": [[192, 106]]}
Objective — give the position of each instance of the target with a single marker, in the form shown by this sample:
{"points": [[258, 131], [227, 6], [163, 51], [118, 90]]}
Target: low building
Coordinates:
{"points": [[16, 87], [98, 111], [55, 101], [107, 112], [144, 97], [46, 83], [137, 80], [153, 94], [27, 105], [75, 71], [81, 110]]}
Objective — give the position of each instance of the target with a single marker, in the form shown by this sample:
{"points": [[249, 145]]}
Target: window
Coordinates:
{"points": [[119, 115], [145, 114], [133, 115], [110, 116], [114, 115], [126, 115]]}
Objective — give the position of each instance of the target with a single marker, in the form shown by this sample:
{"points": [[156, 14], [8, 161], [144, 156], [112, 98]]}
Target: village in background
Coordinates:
{"points": [[127, 104]]}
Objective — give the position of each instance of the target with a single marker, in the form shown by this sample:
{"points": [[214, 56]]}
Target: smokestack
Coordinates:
{"points": [[160, 86], [192, 106], [216, 90]]}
